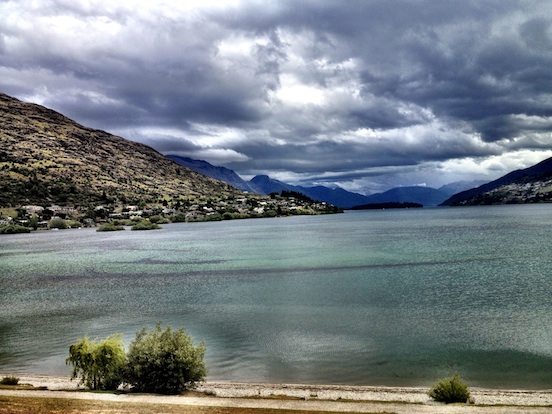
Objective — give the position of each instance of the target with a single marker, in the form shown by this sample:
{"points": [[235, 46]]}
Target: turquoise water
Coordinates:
{"points": [[394, 297]]}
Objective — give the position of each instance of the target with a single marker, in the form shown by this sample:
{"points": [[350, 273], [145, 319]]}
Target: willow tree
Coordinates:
{"points": [[99, 365], [164, 361]]}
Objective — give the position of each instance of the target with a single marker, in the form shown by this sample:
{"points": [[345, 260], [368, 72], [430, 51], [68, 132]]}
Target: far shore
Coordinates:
{"points": [[412, 395]]}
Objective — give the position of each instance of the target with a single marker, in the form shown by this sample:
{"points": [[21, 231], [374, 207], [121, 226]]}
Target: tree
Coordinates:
{"points": [[57, 223], [33, 221], [98, 364], [164, 361]]}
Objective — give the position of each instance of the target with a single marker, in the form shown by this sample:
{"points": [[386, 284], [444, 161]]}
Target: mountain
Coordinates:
{"points": [[338, 196], [426, 196], [459, 186], [268, 185], [219, 173], [529, 185], [47, 158]]}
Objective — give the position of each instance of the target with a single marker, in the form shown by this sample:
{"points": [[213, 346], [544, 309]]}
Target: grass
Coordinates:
{"points": [[31, 405], [8, 212]]}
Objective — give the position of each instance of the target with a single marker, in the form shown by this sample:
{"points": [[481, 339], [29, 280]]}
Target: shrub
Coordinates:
{"points": [[9, 381], [98, 364], [179, 218], [110, 227], [73, 224], [145, 225], [450, 390], [13, 229], [164, 361], [157, 219], [57, 223]]}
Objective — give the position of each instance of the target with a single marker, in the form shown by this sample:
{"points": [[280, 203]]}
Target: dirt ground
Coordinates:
{"points": [[309, 398]]}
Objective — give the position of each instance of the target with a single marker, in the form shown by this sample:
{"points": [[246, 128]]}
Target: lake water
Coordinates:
{"points": [[394, 297]]}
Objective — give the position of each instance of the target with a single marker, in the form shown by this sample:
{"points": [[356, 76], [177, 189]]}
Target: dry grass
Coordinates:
{"points": [[30, 405]]}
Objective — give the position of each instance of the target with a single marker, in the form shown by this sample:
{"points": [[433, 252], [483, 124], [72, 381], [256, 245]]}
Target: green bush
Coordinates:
{"points": [[145, 225], [179, 218], [9, 381], [450, 390], [157, 219], [98, 364], [14, 229], [57, 223], [164, 361], [73, 224], [110, 227], [124, 222]]}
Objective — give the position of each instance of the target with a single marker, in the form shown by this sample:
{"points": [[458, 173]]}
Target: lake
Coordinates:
{"points": [[393, 297]]}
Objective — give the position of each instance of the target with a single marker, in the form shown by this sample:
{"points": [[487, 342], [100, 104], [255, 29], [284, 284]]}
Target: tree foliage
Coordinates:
{"points": [[164, 361], [450, 390], [110, 227], [98, 364], [57, 223], [145, 225], [13, 229]]}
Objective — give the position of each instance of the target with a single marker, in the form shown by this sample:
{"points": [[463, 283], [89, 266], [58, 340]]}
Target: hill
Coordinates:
{"points": [[268, 185], [529, 185], [46, 157], [338, 196], [426, 196], [459, 186], [219, 173]]}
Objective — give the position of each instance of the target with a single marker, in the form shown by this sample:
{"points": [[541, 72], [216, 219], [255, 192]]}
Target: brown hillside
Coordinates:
{"points": [[48, 158]]}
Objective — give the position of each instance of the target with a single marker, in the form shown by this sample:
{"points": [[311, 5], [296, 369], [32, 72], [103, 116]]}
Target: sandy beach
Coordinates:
{"points": [[335, 398]]}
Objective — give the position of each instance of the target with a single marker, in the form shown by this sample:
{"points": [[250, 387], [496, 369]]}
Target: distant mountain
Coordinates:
{"points": [[345, 199], [269, 185], [386, 206], [529, 185], [336, 196], [459, 186], [426, 196], [47, 158], [219, 173]]}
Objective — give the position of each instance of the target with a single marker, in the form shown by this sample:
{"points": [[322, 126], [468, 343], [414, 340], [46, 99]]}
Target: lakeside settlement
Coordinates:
{"points": [[191, 210]]}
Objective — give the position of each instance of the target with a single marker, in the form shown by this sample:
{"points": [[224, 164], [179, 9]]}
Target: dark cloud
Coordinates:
{"points": [[358, 93]]}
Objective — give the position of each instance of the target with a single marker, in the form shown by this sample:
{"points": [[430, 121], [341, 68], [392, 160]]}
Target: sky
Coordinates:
{"points": [[366, 95]]}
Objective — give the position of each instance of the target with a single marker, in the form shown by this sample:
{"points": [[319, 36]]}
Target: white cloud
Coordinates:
{"points": [[220, 156], [359, 94]]}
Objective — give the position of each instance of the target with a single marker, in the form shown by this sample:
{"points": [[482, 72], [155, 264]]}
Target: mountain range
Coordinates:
{"points": [[263, 184], [46, 157], [529, 185], [219, 173], [426, 196]]}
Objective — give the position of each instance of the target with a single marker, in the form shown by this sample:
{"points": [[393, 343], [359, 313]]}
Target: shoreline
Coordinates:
{"points": [[380, 394]]}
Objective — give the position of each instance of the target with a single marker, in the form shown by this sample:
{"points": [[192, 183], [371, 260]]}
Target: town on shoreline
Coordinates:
{"points": [[37, 217]]}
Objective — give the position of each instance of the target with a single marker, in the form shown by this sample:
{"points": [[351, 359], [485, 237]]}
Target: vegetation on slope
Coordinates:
{"points": [[47, 158]]}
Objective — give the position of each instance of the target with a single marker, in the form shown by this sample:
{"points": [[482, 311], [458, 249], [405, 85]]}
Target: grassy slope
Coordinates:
{"points": [[48, 158]]}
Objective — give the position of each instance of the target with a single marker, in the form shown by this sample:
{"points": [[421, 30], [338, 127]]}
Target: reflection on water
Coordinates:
{"points": [[377, 297]]}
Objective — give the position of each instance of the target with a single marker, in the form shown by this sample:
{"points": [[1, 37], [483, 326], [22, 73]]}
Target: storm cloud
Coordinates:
{"points": [[366, 95]]}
